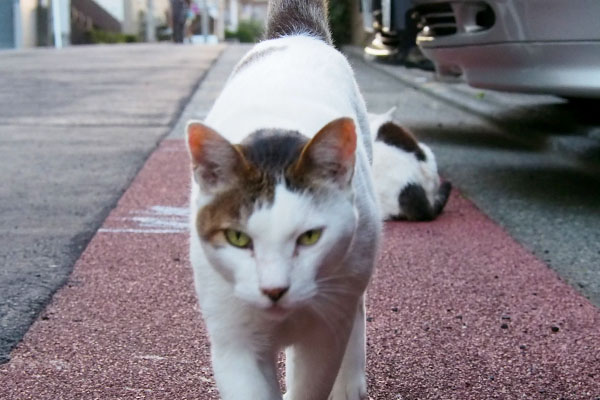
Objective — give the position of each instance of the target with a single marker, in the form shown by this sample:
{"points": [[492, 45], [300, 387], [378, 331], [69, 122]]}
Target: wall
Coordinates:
{"points": [[7, 39], [28, 23], [132, 8]]}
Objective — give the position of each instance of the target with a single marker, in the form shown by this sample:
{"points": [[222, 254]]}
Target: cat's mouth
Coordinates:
{"points": [[277, 312]]}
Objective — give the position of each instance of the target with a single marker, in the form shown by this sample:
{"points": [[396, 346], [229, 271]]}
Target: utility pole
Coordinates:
{"points": [[221, 21], [56, 26], [150, 28], [17, 26], [205, 21]]}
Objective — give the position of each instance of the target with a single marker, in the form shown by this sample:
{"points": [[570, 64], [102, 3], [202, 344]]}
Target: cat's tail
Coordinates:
{"points": [[296, 17]]}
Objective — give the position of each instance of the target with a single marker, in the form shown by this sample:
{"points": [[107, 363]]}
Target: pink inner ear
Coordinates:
{"points": [[214, 159], [347, 137], [198, 136], [338, 137], [331, 153]]}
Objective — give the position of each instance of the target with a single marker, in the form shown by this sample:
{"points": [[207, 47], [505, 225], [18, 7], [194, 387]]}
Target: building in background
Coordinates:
{"points": [[88, 17], [253, 9], [10, 24], [243, 10], [28, 23], [134, 15]]}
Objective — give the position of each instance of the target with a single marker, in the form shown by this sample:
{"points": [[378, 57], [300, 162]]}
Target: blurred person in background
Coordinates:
{"points": [[179, 13]]}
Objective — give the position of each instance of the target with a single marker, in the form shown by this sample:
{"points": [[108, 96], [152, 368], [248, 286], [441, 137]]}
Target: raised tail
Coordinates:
{"points": [[294, 17]]}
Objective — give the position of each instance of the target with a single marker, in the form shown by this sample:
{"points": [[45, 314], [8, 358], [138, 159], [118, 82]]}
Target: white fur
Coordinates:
{"points": [[320, 320], [394, 169]]}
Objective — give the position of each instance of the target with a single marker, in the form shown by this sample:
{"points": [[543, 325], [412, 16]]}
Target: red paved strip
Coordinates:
{"points": [[461, 311], [457, 310], [126, 325]]}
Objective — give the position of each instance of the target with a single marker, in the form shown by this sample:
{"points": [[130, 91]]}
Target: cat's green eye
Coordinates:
{"points": [[310, 237], [237, 238]]}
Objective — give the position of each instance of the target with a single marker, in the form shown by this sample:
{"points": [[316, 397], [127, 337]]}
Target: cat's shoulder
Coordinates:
{"points": [[292, 51]]}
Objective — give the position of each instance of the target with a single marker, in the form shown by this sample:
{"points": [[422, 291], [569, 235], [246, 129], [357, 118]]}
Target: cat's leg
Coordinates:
{"points": [[351, 383], [313, 361], [243, 362], [242, 374]]}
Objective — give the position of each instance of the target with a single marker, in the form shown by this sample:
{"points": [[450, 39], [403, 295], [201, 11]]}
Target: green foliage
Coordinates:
{"points": [[249, 31], [340, 21], [99, 36]]}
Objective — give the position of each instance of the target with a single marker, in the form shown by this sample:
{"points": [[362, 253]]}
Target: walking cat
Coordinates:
{"points": [[406, 178], [285, 222]]}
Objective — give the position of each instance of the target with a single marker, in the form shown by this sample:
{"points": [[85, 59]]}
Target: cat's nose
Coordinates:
{"points": [[275, 293]]}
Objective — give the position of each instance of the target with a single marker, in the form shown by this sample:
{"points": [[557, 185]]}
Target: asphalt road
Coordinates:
{"points": [[75, 127]]}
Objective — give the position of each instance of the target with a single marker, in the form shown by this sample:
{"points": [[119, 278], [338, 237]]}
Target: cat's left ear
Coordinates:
{"points": [[330, 154]]}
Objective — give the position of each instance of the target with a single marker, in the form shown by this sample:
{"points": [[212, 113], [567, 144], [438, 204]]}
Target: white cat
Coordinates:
{"points": [[405, 171], [285, 223]]}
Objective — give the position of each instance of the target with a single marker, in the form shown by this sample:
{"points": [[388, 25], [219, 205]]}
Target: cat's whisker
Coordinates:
{"points": [[332, 289], [339, 277], [323, 317], [336, 290], [303, 295]]}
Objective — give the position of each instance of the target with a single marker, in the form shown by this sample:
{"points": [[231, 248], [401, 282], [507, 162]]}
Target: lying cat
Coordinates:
{"points": [[284, 217], [406, 179]]}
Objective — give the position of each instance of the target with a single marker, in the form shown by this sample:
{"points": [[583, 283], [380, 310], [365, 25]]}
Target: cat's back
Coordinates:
{"points": [[296, 82]]}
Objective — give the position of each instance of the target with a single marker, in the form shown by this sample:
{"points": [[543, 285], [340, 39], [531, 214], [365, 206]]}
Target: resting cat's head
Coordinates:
{"points": [[276, 212], [405, 173]]}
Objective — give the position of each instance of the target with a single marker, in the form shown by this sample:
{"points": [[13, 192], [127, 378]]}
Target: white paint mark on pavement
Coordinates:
{"points": [[156, 219]]}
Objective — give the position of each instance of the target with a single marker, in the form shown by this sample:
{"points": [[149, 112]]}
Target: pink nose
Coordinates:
{"points": [[275, 293]]}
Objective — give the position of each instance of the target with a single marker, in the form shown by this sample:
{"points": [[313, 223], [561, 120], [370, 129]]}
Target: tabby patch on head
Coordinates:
{"points": [[240, 178], [405, 173]]}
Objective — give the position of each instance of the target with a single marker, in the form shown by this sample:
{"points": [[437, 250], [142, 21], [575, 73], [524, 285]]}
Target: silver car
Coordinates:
{"points": [[537, 46]]}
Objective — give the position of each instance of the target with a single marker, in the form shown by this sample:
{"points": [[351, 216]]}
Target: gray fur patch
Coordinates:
{"points": [[272, 151]]}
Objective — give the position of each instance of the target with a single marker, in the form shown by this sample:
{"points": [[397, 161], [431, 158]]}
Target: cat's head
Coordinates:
{"points": [[275, 213], [377, 120], [405, 172]]}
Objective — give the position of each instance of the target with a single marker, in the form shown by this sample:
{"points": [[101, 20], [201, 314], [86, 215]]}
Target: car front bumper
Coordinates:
{"points": [[540, 46]]}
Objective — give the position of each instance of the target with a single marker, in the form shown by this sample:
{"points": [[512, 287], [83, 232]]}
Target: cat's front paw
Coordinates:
{"points": [[354, 390]]}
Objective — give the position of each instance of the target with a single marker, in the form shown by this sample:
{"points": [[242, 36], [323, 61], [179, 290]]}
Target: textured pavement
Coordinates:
{"points": [[76, 125], [530, 162], [457, 308]]}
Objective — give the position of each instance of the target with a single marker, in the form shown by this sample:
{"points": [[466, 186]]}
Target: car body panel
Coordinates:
{"points": [[542, 46]]}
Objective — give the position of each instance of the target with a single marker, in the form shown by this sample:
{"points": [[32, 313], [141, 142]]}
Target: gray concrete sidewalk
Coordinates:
{"points": [[75, 127]]}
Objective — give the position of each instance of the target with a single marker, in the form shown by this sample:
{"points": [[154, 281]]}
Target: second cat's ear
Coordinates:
{"points": [[330, 154], [216, 162]]}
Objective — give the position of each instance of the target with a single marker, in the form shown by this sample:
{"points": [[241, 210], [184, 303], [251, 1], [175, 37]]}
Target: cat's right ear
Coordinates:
{"points": [[215, 161], [330, 154]]}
